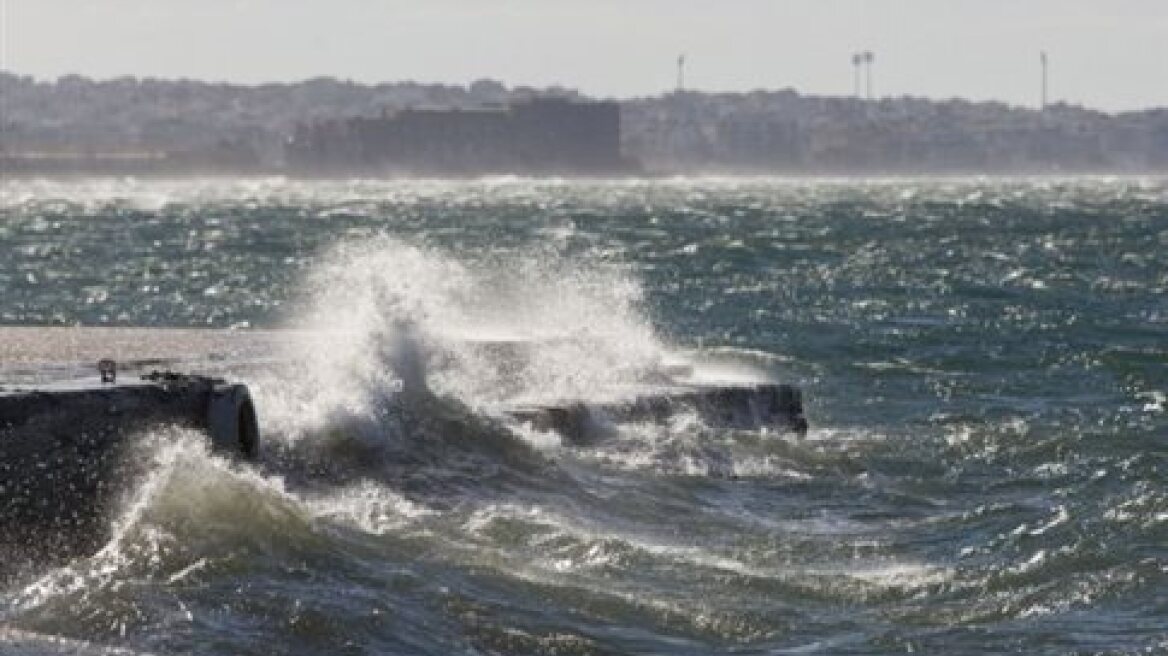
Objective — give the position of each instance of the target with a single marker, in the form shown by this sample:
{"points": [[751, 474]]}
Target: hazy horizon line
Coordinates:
{"points": [[570, 89]]}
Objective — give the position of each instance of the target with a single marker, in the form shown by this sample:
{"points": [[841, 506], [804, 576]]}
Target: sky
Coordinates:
{"points": [[1106, 54]]}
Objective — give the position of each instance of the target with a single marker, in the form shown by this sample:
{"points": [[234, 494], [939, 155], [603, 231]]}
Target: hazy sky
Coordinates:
{"points": [[1111, 54]]}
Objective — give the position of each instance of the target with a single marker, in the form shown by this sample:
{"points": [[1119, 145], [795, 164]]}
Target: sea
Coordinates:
{"points": [[983, 362]]}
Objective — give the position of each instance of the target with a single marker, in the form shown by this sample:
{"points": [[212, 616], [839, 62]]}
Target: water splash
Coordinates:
{"points": [[386, 319]]}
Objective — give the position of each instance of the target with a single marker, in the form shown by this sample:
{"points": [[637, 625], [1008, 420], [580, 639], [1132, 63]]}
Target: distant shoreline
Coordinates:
{"points": [[186, 127]]}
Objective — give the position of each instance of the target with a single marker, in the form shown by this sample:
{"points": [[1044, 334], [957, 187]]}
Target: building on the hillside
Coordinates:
{"points": [[543, 136]]}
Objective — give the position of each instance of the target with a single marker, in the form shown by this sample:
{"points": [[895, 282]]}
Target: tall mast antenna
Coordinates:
{"points": [[681, 72], [1045, 66]]}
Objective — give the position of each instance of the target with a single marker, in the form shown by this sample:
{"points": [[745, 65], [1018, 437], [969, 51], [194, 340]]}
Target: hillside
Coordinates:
{"points": [[212, 126]]}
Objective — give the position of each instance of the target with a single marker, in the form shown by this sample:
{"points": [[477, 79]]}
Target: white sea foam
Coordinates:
{"points": [[190, 508], [373, 508], [562, 548], [385, 317]]}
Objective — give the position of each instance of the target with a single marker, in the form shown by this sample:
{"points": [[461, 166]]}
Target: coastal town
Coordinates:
{"points": [[325, 126]]}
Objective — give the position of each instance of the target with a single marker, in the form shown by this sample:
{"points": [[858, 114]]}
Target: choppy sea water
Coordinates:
{"points": [[984, 364]]}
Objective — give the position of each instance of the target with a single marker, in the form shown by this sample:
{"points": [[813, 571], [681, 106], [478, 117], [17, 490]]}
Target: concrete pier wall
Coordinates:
{"points": [[66, 454], [70, 445], [778, 407]]}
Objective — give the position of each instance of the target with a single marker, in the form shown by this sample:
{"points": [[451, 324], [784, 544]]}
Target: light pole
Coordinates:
{"points": [[868, 59], [857, 60]]}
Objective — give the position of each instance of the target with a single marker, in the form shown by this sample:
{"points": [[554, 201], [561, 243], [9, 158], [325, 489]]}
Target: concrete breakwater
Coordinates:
{"points": [[745, 406], [67, 450], [69, 433]]}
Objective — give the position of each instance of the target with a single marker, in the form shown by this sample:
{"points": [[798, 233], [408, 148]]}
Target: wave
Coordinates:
{"points": [[399, 506], [386, 318]]}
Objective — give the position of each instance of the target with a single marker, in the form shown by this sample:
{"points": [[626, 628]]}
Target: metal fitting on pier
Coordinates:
{"points": [[108, 370]]}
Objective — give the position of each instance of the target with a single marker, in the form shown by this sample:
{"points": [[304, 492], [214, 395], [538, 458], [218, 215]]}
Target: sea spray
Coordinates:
{"points": [[383, 317]]}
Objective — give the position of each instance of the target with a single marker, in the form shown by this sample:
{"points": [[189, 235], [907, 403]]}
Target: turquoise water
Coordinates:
{"points": [[984, 364]]}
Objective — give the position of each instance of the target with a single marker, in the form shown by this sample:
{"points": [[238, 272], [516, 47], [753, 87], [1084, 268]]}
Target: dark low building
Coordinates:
{"points": [[544, 136]]}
